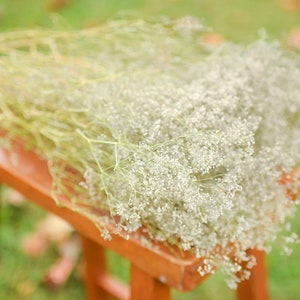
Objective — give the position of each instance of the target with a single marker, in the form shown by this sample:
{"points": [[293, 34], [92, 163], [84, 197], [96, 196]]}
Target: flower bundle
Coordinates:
{"points": [[185, 140]]}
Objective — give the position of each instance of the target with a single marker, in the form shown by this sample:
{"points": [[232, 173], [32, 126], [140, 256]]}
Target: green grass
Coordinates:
{"points": [[237, 20]]}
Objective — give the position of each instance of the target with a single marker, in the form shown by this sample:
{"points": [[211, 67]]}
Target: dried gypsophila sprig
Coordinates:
{"points": [[186, 141]]}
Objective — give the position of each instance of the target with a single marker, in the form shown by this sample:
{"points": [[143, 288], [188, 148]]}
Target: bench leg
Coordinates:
{"points": [[256, 287], [95, 267], [143, 286]]}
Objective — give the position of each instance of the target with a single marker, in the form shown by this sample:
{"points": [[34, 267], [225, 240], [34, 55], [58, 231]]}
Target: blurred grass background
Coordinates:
{"points": [[235, 20]]}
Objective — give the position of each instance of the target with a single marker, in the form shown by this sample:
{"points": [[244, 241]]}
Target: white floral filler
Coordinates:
{"points": [[186, 140]]}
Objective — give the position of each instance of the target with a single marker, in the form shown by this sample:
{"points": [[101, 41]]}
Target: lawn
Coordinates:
{"points": [[236, 20]]}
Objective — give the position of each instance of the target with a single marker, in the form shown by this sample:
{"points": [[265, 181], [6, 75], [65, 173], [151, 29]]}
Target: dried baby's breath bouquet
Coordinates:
{"points": [[187, 140]]}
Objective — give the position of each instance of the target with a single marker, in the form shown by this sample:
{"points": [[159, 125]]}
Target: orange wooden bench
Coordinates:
{"points": [[153, 271]]}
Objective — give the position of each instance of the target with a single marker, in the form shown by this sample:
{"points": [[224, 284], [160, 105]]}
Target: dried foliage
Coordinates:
{"points": [[186, 139]]}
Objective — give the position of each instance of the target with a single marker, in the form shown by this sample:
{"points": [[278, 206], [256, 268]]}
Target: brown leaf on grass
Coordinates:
{"points": [[290, 5], [59, 273], [14, 197], [34, 245], [91, 23], [56, 5], [25, 288], [54, 228], [212, 39], [293, 39], [49, 229]]}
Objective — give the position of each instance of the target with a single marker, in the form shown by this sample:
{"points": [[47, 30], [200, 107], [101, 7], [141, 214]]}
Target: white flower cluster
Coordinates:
{"points": [[188, 142]]}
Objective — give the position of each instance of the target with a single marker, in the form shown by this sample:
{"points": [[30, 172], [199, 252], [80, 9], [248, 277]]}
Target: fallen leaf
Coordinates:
{"points": [[14, 197], [293, 39], [34, 245], [91, 23], [212, 39], [25, 288], [59, 273], [290, 5], [56, 5], [54, 228], [51, 228]]}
